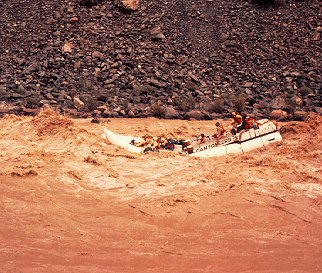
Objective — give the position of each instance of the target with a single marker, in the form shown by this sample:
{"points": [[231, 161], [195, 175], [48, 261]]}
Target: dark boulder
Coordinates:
{"points": [[89, 3]]}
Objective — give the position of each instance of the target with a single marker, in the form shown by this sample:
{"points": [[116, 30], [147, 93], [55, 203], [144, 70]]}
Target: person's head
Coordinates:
{"points": [[202, 135], [217, 124], [233, 114]]}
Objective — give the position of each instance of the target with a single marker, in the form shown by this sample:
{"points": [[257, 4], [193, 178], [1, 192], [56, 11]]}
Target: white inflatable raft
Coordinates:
{"points": [[242, 142]]}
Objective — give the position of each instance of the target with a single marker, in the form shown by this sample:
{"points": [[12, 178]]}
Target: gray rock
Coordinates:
{"points": [[31, 68], [247, 84], [107, 113], [97, 54], [155, 82], [8, 109], [30, 111], [170, 113], [79, 104], [3, 90], [156, 34], [16, 96], [182, 59], [21, 61], [278, 103], [297, 100], [195, 114], [318, 110], [131, 113], [300, 115], [279, 115], [96, 120]]}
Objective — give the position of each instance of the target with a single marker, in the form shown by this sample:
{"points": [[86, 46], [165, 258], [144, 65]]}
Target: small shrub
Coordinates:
{"points": [[185, 103], [90, 103], [208, 106], [305, 90], [158, 110], [72, 92], [124, 104], [191, 86], [32, 102], [84, 85], [141, 90], [290, 106], [240, 103], [218, 105]]}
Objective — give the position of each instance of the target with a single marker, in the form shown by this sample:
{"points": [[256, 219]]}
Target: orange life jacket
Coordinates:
{"points": [[221, 130], [203, 139], [238, 119], [249, 122]]}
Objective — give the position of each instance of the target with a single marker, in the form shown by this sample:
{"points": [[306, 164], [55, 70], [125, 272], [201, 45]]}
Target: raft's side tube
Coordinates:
{"points": [[252, 144], [234, 148], [239, 148], [251, 140], [217, 151], [123, 141], [247, 141], [270, 138]]}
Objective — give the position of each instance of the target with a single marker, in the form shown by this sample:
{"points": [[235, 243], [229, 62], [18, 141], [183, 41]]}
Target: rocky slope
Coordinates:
{"points": [[173, 59]]}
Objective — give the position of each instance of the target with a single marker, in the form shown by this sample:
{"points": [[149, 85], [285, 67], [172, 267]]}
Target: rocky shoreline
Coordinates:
{"points": [[169, 59]]}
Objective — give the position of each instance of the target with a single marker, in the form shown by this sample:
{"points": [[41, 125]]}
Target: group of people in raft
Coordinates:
{"points": [[241, 122]]}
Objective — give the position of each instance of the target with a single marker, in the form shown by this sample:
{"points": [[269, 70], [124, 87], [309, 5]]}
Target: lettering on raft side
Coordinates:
{"points": [[223, 141], [205, 148], [226, 140]]}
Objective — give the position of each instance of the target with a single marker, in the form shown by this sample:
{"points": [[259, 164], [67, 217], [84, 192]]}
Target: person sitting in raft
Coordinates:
{"points": [[152, 145], [146, 141], [169, 144], [250, 123], [156, 143], [219, 130], [237, 123], [238, 119], [162, 142], [202, 138]]}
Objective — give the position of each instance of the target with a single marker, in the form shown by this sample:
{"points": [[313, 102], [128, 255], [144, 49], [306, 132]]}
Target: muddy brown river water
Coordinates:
{"points": [[72, 202]]}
